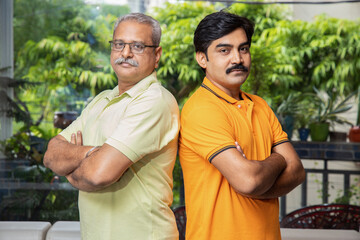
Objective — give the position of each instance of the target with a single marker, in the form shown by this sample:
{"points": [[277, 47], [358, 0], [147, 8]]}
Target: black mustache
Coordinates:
{"points": [[237, 66]]}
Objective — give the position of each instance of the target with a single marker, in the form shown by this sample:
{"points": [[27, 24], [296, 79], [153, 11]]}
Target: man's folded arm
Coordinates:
{"points": [[100, 169], [291, 177], [63, 157], [249, 177]]}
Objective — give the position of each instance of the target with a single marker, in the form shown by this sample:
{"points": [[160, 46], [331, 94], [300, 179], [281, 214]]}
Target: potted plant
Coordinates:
{"points": [[303, 115], [327, 107], [354, 133], [302, 124], [287, 111]]}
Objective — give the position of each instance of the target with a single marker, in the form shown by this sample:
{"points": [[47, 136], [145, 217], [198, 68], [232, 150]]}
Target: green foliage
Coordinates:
{"points": [[291, 105], [324, 53], [178, 184], [17, 146], [28, 143], [111, 10], [56, 63], [69, 52], [263, 16], [343, 196], [40, 205], [178, 70], [36, 19], [349, 195], [357, 122], [327, 106]]}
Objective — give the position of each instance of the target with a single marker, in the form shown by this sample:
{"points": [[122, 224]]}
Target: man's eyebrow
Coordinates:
{"points": [[230, 45], [122, 41], [243, 44], [223, 45]]}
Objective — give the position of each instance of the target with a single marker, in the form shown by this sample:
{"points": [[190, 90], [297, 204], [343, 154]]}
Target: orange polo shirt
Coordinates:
{"points": [[211, 121]]}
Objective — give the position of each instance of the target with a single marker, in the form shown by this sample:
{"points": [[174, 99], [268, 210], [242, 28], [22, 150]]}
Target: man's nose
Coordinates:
{"points": [[236, 57], [126, 52]]}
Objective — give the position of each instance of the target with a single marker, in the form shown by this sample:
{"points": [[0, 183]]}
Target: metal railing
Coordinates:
{"points": [[326, 152]]}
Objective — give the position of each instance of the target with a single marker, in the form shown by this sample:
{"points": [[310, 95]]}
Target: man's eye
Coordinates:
{"points": [[244, 49], [224, 50], [138, 46], [119, 45]]}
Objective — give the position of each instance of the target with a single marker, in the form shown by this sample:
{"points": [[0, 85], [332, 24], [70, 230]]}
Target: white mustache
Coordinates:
{"points": [[132, 62]]}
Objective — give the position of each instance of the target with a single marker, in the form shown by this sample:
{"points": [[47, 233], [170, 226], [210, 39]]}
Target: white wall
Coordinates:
{"points": [[6, 64], [307, 12]]}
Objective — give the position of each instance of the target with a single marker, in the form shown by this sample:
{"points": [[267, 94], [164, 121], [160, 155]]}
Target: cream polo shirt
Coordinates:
{"points": [[142, 123]]}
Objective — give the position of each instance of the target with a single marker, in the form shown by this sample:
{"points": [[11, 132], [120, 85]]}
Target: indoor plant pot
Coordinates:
{"points": [[327, 107], [354, 132], [337, 136], [303, 134], [319, 131]]}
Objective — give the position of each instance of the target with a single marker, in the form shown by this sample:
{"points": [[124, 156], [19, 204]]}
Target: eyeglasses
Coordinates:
{"points": [[135, 47]]}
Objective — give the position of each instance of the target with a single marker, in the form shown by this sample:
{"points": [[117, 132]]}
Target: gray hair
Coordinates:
{"points": [[142, 18]]}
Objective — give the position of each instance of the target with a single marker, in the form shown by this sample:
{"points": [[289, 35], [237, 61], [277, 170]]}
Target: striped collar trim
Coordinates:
{"points": [[211, 88]]}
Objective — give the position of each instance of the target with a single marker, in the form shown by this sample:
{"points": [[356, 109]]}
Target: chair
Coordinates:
{"points": [[180, 216], [327, 216]]}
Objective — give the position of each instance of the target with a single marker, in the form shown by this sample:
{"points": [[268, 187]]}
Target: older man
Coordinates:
{"points": [[121, 151]]}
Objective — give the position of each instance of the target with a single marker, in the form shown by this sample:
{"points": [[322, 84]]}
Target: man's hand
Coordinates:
{"points": [[292, 175], [63, 157], [103, 167], [77, 138]]}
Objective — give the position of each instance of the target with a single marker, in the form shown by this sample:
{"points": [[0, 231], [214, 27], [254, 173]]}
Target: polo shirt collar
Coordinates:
{"points": [[207, 84], [138, 88]]}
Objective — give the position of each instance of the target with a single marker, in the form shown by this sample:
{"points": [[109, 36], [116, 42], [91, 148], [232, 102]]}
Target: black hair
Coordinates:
{"points": [[217, 25]]}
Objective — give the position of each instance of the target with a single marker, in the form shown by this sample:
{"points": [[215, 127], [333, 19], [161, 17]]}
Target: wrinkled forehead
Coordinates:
{"points": [[133, 31]]}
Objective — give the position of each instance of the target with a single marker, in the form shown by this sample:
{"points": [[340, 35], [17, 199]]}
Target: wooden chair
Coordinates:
{"points": [[327, 216], [180, 216]]}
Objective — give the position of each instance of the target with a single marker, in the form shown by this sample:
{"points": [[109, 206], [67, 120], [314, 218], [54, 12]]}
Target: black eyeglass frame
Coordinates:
{"points": [[130, 44]]}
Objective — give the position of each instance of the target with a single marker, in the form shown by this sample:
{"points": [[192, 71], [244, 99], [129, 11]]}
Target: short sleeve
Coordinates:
{"points": [[206, 133], [150, 122], [279, 135]]}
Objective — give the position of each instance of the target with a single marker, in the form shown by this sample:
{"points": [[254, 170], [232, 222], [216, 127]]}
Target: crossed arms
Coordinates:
{"points": [[276, 176], [102, 167]]}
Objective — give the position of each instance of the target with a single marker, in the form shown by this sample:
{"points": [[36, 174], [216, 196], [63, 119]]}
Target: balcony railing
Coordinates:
{"points": [[326, 152]]}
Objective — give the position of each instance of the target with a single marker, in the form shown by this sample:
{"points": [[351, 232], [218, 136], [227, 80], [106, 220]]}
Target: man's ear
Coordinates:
{"points": [[201, 59], [158, 52]]}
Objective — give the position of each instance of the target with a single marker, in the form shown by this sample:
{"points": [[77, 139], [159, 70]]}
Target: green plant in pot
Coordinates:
{"points": [[287, 111], [303, 115], [302, 125], [354, 133], [327, 107]]}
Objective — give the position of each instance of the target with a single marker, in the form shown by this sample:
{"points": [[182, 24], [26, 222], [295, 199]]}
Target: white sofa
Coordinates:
{"points": [[70, 230], [64, 230], [23, 230]]}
